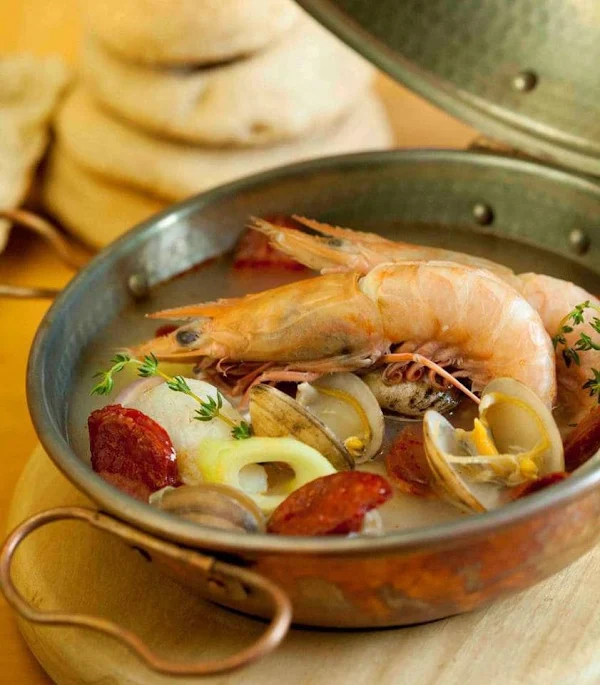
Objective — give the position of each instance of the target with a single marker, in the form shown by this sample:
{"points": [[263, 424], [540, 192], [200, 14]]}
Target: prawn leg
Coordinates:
{"points": [[436, 368]]}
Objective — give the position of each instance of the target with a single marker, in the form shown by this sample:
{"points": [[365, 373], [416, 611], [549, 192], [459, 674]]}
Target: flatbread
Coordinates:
{"points": [[29, 90], [187, 31], [299, 84], [174, 171], [92, 208]]}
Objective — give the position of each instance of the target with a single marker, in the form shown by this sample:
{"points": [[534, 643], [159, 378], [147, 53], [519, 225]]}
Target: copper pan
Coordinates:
{"points": [[528, 215]]}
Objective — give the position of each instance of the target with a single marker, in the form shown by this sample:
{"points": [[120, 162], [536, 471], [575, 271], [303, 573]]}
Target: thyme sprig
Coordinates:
{"points": [[584, 343], [149, 366]]}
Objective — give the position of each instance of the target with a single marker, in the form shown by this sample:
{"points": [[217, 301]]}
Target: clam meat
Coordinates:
{"points": [[346, 405]]}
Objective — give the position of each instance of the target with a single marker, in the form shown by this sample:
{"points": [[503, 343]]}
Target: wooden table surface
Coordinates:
{"points": [[42, 27]]}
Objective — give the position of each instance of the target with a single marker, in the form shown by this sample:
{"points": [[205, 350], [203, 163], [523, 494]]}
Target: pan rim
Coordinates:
{"points": [[165, 526]]}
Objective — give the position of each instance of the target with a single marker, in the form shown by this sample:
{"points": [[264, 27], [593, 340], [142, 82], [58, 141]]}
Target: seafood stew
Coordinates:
{"points": [[403, 386]]}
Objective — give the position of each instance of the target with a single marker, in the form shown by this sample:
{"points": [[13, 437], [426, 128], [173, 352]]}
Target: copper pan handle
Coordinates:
{"points": [[208, 566], [54, 239]]}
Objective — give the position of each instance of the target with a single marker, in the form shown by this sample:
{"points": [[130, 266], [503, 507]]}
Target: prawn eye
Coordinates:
{"points": [[186, 336]]}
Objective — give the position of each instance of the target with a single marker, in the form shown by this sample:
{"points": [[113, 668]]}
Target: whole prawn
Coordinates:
{"points": [[459, 321], [334, 249]]}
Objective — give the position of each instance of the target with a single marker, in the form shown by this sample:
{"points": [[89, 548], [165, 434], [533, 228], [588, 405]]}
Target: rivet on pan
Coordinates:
{"points": [[525, 81], [138, 285], [142, 552], [216, 586], [230, 588], [483, 213], [579, 241]]}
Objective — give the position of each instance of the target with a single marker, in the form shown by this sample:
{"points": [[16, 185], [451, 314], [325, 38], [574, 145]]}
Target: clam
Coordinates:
{"points": [[213, 505], [514, 440], [409, 400], [345, 404], [275, 414]]}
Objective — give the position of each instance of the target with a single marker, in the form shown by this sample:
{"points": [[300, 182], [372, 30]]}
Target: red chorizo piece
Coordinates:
{"points": [[529, 488], [584, 441], [406, 463], [131, 451], [331, 505]]}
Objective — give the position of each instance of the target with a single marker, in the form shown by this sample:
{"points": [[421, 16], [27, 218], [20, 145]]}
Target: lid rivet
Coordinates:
{"points": [[525, 81], [579, 241], [483, 213], [138, 285]]}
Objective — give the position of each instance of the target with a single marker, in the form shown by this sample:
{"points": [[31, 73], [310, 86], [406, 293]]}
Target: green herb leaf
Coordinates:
{"points": [[149, 367], [584, 343], [577, 314], [179, 384], [242, 431], [209, 409], [593, 385], [106, 385]]}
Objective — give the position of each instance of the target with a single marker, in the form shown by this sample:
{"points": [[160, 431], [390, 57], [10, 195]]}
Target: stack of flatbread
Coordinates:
{"points": [[29, 89], [177, 97]]}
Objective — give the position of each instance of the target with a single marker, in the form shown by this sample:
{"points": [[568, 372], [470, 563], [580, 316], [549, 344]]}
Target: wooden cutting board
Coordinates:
{"points": [[550, 634]]}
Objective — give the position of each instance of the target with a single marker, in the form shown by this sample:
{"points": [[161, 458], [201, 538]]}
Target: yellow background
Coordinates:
{"points": [[54, 26]]}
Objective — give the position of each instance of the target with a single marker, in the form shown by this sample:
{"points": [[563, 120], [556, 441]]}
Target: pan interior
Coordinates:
{"points": [[419, 197]]}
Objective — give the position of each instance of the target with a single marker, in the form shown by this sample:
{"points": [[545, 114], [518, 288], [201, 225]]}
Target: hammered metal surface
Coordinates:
{"points": [[467, 56]]}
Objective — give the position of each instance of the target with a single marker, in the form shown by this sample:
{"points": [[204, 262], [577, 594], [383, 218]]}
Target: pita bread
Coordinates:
{"points": [[173, 171], [92, 208], [299, 84], [187, 31], [29, 89]]}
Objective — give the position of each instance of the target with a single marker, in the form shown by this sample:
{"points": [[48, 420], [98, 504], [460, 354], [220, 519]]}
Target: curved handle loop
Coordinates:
{"points": [[208, 566], [55, 240]]}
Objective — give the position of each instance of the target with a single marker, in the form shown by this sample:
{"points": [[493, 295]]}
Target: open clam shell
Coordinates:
{"points": [[515, 439], [210, 504], [346, 405], [275, 414]]}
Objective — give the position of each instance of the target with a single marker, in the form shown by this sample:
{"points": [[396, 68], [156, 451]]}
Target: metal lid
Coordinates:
{"points": [[522, 72]]}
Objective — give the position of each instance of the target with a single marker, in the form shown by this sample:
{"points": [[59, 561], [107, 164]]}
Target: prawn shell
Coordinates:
{"points": [[276, 415]]}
